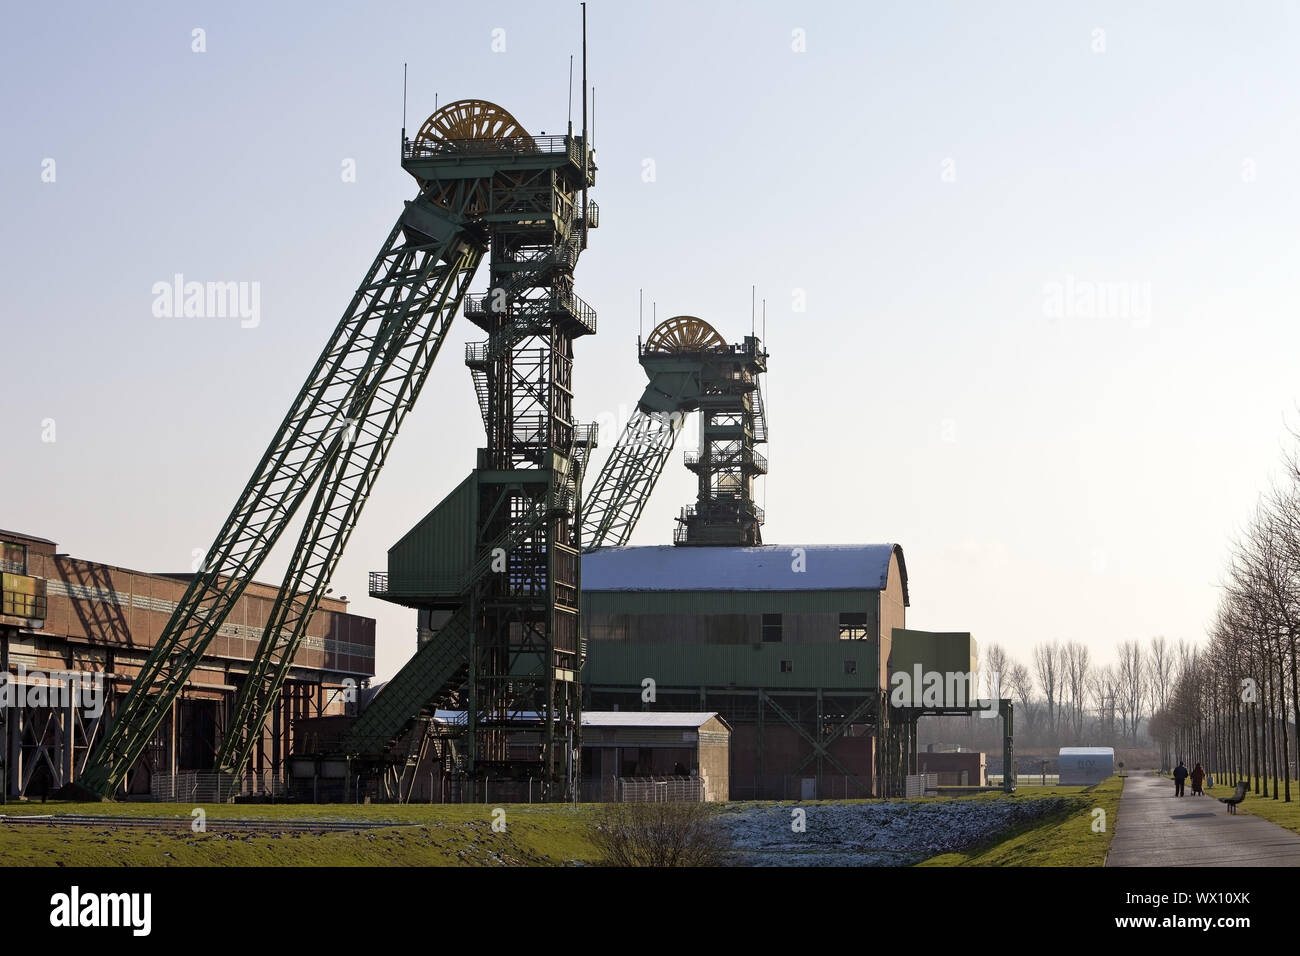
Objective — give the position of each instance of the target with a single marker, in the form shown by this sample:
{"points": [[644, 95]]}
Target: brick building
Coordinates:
{"points": [[69, 626]]}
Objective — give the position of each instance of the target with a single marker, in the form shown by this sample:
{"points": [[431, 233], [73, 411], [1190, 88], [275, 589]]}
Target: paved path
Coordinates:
{"points": [[1155, 828]]}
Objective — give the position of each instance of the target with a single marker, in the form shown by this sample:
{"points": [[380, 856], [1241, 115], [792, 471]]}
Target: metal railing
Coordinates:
{"points": [[827, 786], [523, 309], [723, 460], [920, 785], [576, 307], [521, 145], [378, 583], [1027, 779], [660, 790], [210, 786]]}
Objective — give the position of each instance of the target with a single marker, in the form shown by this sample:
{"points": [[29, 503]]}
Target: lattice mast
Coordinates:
{"points": [[732, 423], [469, 159], [525, 653], [690, 367]]}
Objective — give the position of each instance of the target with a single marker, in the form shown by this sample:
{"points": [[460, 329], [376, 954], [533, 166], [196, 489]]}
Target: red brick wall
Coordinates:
{"points": [[784, 749], [127, 625], [949, 767]]}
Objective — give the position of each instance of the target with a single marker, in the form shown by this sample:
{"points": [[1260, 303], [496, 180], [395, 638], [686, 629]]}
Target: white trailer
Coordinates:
{"points": [[1084, 766]]}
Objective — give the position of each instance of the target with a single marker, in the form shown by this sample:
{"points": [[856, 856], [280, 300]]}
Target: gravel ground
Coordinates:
{"points": [[877, 834]]}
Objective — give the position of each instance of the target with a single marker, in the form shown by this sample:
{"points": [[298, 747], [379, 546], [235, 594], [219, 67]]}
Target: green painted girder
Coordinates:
{"points": [[627, 479], [342, 496], [351, 371], [634, 465], [419, 686]]}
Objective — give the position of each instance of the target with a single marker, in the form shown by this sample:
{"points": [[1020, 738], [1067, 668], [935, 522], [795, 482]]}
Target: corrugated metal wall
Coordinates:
{"points": [[727, 602], [744, 665], [949, 652], [432, 558]]}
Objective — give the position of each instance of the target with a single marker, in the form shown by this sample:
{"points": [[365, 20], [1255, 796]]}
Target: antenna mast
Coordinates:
{"points": [[586, 148]]}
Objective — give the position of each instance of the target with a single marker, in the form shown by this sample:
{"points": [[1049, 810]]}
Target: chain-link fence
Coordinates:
{"points": [[827, 786], [660, 790], [209, 786]]}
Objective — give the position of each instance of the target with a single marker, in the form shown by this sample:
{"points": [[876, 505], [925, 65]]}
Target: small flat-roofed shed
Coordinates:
{"points": [[657, 748]]}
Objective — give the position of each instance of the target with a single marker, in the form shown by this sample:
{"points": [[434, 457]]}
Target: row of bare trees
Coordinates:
{"points": [[1229, 703], [1234, 703], [1064, 697]]}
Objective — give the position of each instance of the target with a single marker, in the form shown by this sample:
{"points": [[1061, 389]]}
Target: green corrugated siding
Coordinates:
{"points": [[611, 663], [935, 651], [432, 558], [725, 602]]}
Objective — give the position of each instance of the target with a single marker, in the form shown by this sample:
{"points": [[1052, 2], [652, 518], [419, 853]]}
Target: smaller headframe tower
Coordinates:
{"points": [[690, 368], [732, 423]]}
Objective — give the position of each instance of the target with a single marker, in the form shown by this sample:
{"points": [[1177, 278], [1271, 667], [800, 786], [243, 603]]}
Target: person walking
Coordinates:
{"points": [[1198, 780], [1180, 776]]}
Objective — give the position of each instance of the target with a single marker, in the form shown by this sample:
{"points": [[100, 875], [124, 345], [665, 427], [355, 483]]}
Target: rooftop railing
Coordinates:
{"points": [[518, 146]]}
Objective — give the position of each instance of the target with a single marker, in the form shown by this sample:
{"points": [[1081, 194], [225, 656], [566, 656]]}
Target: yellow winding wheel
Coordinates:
{"points": [[683, 333], [469, 126], [466, 121]]}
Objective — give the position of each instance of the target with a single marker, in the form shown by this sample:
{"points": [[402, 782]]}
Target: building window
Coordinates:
{"points": [[850, 667], [771, 628], [853, 626], [787, 667], [13, 557]]}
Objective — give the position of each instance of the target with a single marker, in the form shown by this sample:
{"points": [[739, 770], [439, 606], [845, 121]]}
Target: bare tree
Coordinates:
{"points": [[1077, 665], [659, 834], [1050, 673], [1131, 686], [1106, 700], [1160, 672], [1020, 687], [996, 662]]}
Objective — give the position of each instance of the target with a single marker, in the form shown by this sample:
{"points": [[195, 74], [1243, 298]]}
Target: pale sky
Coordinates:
{"points": [[1046, 252]]}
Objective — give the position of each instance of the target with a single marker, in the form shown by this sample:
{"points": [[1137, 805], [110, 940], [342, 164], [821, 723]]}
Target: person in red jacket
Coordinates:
{"points": [[1198, 779]]}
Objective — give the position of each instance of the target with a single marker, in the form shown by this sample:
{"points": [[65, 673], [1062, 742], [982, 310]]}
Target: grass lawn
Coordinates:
{"points": [[397, 814], [451, 835], [438, 835], [1063, 839], [1276, 811]]}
